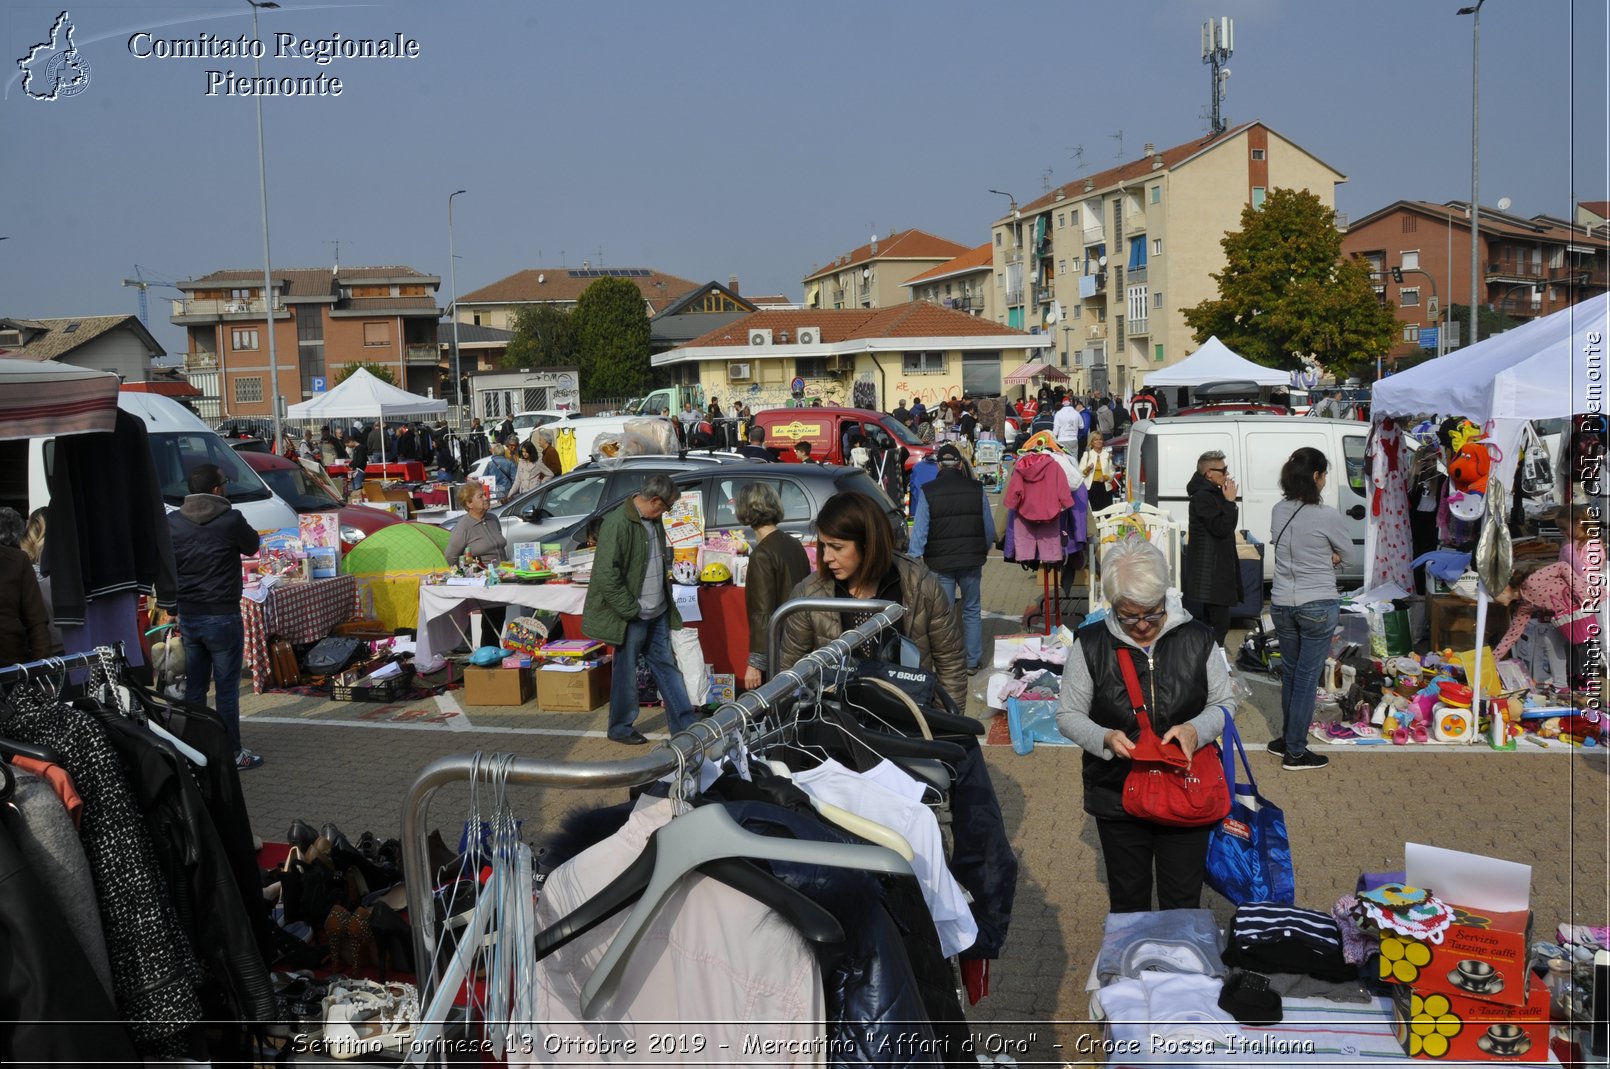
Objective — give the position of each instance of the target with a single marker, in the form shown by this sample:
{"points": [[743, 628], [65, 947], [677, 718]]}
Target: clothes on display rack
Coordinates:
{"points": [[156, 890]]}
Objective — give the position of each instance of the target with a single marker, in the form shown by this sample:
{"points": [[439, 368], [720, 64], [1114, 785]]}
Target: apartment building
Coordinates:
{"points": [[322, 319], [495, 305], [1105, 264], [962, 283], [1419, 256], [853, 356], [875, 274]]}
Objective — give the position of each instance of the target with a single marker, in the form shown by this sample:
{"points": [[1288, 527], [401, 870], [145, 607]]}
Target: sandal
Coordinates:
{"points": [[1418, 732], [1400, 737]]}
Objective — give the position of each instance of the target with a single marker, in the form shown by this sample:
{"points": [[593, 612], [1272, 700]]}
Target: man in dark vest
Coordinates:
{"points": [[953, 534]]}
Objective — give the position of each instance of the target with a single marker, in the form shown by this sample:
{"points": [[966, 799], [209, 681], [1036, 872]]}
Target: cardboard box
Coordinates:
{"points": [[497, 686], [1454, 1028], [573, 692], [1482, 957]]}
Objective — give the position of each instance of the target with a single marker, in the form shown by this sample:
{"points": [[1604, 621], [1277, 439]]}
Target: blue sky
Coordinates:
{"points": [[758, 139]]}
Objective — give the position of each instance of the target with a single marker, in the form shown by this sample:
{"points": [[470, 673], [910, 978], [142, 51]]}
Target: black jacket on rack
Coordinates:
{"points": [[197, 871], [55, 1010], [154, 973], [982, 860], [108, 532]]}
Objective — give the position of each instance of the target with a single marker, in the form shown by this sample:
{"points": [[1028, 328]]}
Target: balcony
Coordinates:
{"points": [[1516, 271], [1138, 326], [423, 354], [1091, 285], [1136, 274], [1582, 276], [1042, 295], [1014, 296], [200, 360], [187, 309], [1096, 330]]}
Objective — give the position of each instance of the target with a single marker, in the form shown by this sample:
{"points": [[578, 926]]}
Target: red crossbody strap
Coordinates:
{"points": [[1126, 664]]}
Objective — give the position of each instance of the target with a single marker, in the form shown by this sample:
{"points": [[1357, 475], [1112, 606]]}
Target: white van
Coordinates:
{"points": [[1162, 458], [179, 441]]}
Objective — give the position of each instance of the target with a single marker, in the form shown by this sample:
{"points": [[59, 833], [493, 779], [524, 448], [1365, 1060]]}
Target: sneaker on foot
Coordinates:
{"points": [[1304, 761], [1276, 746], [245, 759]]}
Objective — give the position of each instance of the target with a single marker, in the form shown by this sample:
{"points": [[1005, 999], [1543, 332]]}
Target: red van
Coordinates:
{"points": [[827, 428]]}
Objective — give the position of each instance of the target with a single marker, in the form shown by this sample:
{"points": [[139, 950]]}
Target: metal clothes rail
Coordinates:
{"points": [[66, 662], [709, 736]]}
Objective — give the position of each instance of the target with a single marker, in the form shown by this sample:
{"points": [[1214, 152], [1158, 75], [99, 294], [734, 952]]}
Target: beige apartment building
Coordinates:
{"points": [[875, 275], [963, 283], [852, 356], [1104, 264]]}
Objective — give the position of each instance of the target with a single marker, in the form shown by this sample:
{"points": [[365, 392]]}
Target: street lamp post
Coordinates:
{"points": [[452, 275], [1475, 172], [268, 278]]}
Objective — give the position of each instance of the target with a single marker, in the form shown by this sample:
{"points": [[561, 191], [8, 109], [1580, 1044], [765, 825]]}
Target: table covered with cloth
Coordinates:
{"points": [[297, 610], [444, 610]]}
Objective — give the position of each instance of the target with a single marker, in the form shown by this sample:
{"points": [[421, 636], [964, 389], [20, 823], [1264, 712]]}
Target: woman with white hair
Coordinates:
{"points": [[1186, 685]]}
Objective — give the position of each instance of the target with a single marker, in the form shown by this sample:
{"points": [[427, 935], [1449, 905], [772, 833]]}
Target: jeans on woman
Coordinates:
{"points": [[651, 639], [1305, 633]]}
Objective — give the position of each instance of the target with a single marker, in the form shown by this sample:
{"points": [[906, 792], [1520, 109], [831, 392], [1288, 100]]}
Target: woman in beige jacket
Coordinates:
{"points": [[856, 559]]}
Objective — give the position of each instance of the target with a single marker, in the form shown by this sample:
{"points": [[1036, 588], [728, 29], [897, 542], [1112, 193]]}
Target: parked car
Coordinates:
{"points": [[825, 428], [296, 486], [540, 514], [803, 490], [248, 445]]}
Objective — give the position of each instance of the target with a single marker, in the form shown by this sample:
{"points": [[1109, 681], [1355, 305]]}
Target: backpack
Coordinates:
{"points": [[332, 655]]}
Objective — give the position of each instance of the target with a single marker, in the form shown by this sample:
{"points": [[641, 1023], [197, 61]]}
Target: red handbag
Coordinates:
{"points": [[1164, 786]]}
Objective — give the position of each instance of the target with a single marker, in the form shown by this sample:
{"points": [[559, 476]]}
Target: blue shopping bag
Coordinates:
{"points": [[1249, 854]]}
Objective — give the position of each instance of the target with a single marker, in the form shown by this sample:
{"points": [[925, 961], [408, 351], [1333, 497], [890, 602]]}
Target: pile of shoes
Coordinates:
{"points": [[340, 904]]}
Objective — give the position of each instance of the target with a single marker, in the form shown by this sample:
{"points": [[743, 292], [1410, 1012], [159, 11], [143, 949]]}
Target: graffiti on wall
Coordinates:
{"points": [[757, 396]]}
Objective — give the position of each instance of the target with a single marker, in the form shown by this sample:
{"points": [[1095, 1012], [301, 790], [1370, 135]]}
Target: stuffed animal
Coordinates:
{"points": [[1470, 466]]}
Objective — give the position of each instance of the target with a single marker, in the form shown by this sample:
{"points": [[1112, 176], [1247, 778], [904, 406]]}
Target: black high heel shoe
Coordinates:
{"points": [[301, 834], [394, 939]]}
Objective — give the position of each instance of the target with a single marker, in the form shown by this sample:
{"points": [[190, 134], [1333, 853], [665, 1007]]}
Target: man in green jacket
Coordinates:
{"points": [[629, 606]]}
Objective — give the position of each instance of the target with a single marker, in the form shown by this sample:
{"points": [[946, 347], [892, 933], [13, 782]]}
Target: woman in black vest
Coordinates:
{"points": [[1187, 690]]}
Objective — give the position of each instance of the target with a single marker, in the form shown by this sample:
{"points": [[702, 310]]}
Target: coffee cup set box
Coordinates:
{"points": [[1470, 996]]}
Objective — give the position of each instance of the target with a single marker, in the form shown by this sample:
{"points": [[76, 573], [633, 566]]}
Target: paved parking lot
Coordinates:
{"points": [[352, 764]]}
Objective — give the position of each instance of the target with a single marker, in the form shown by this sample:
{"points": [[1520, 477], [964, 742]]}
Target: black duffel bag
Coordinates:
{"points": [[334, 654]]}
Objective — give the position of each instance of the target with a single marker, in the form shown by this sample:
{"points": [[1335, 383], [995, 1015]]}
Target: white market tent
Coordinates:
{"points": [[1550, 368], [363, 396], [1216, 362]]}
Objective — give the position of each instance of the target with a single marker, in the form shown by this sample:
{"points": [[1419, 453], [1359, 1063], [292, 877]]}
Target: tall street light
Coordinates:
{"points": [[268, 279], [1475, 173], [452, 275]]}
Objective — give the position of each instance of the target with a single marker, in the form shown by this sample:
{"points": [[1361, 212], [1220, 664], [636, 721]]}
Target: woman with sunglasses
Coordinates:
{"points": [[1187, 693]]}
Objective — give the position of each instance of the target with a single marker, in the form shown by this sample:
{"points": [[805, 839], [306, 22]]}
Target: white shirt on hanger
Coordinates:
{"points": [[860, 794]]}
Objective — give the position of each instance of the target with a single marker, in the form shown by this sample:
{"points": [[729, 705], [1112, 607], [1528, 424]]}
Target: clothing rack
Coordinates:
{"points": [[66, 662], [742, 716]]}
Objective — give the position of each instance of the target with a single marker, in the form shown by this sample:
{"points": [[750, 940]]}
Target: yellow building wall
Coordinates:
{"points": [[771, 378]]}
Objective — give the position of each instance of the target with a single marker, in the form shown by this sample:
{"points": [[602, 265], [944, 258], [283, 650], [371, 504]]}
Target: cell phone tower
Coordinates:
{"points": [[1218, 42]]}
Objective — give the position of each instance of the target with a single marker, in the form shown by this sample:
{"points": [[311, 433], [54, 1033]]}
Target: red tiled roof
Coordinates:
{"points": [[918, 319], [770, 298], [910, 244], [564, 284], [1128, 172], [1493, 221], [972, 260], [1601, 208]]}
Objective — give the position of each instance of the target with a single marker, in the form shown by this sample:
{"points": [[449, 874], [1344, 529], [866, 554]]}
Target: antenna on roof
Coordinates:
{"points": [[1119, 137], [336, 270], [1045, 180], [1077, 155], [1218, 43]]}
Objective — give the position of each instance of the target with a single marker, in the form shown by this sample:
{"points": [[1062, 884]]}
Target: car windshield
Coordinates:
{"points": [[177, 453], [297, 489], [901, 432]]}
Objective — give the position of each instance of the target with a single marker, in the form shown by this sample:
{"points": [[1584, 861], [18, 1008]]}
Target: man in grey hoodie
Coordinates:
{"points": [[209, 538]]}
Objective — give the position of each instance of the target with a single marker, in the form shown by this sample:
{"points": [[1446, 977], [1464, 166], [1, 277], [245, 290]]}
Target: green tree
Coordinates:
{"points": [[379, 371], [1489, 321], [1285, 291], [611, 322], [544, 336]]}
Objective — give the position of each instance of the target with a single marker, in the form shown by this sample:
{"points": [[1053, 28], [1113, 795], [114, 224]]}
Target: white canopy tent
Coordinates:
{"points": [[1216, 362], [363, 396], [1550, 368]]}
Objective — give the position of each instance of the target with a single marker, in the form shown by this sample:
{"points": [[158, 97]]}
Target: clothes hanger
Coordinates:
{"points": [[884, 702], [124, 699], [710, 833]]}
